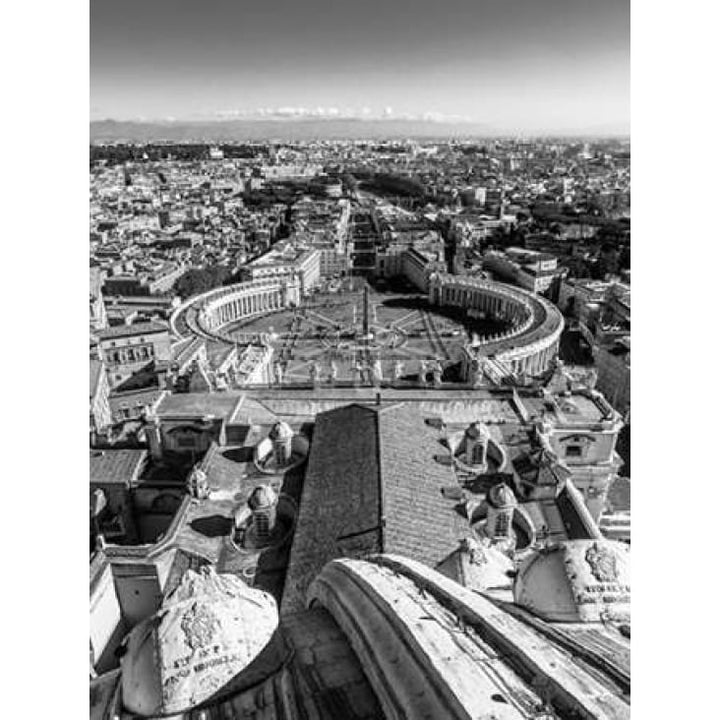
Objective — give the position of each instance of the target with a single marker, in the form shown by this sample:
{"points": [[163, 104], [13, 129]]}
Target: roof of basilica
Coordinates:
{"points": [[372, 485]]}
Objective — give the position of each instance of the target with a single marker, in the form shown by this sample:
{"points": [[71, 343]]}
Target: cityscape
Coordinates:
{"points": [[359, 415]]}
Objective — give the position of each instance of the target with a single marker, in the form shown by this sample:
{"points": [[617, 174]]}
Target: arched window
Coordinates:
{"points": [[502, 525], [477, 457]]}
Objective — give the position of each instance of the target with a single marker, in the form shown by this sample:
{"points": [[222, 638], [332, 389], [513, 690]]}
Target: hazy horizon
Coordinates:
{"points": [[526, 66]]}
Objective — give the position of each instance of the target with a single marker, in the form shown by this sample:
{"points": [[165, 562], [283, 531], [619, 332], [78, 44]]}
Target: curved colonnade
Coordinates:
{"points": [[532, 340], [207, 314], [529, 345]]}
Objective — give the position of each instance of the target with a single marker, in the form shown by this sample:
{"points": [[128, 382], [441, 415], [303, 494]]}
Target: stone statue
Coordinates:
{"points": [[278, 370], [333, 372], [423, 372], [366, 373], [377, 375], [478, 371], [591, 380], [357, 373], [314, 372], [437, 372], [398, 370], [197, 484]]}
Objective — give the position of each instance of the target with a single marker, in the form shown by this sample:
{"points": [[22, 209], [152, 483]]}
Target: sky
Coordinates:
{"points": [[522, 65]]}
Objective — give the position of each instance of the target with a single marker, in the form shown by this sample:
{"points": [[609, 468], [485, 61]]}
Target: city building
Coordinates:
{"points": [[534, 271], [613, 372], [285, 263], [127, 349]]}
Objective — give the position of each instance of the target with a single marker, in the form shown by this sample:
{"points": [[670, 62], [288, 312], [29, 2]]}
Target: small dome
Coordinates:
{"points": [[263, 496], [501, 496], [478, 431], [280, 431], [576, 581], [206, 632]]}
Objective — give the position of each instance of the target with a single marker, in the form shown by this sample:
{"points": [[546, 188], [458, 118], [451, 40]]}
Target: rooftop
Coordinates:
{"points": [[116, 466], [576, 408], [119, 331], [372, 485], [219, 405]]}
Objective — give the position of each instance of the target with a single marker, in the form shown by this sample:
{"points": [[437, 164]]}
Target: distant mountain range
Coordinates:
{"points": [[299, 129]]}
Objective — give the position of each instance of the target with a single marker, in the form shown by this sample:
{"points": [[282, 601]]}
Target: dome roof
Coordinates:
{"points": [[206, 632], [478, 431], [576, 581], [262, 496], [501, 496], [484, 567], [280, 431]]}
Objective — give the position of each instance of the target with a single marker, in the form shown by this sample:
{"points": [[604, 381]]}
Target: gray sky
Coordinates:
{"points": [[526, 65]]}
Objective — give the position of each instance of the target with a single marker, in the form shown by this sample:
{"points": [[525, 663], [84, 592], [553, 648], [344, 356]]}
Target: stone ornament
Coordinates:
{"points": [[603, 564]]}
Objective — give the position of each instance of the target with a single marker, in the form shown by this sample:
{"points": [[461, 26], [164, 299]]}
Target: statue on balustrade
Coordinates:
{"points": [[437, 372], [377, 375], [314, 372], [422, 375], [477, 371], [278, 372]]}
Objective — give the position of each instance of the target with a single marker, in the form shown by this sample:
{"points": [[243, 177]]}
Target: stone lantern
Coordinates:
{"points": [[501, 503], [476, 442], [263, 505], [281, 436]]}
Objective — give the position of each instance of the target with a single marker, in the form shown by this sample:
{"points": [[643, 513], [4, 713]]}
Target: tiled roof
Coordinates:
{"points": [[143, 396], [115, 466], [145, 328], [340, 498], [419, 522], [198, 404], [372, 485]]}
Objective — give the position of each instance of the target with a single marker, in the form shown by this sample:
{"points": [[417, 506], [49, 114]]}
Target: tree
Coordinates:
{"points": [[200, 280]]}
